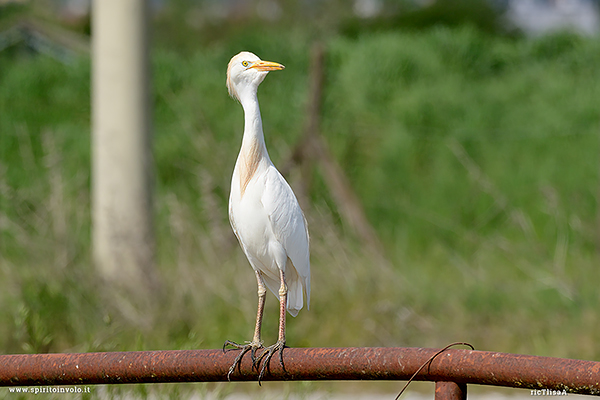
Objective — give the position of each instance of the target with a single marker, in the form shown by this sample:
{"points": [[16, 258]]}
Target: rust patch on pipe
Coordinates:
{"points": [[450, 391]]}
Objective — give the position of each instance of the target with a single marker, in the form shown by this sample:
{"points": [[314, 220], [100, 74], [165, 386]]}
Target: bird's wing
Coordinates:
{"points": [[288, 223]]}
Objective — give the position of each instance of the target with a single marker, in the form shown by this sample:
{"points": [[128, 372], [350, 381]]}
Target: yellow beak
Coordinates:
{"points": [[267, 66]]}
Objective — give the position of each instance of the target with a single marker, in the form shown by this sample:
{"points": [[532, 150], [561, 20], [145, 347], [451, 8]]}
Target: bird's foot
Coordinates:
{"points": [[267, 354], [251, 347]]}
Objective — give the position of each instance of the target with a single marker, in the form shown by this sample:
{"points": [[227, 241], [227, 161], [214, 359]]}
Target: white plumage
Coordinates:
{"points": [[263, 210]]}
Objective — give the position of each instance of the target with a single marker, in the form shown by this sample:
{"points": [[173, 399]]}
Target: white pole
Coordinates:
{"points": [[122, 233]]}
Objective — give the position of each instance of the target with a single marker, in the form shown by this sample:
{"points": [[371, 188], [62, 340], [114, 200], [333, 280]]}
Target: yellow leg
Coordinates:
{"points": [[268, 353], [262, 294], [256, 343]]}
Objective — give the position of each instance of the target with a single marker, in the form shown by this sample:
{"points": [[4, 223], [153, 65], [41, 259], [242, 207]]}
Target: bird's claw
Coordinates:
{"points": [[267, 354], [251, 347]]}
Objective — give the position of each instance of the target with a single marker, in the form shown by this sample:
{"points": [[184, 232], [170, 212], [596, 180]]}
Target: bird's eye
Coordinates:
{"points": [[245, 63]]}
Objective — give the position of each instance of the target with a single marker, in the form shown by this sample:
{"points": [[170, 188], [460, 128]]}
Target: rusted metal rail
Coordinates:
{"points": [[451, 370]]}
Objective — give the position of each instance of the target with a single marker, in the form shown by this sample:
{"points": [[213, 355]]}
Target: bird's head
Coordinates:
{"points": [[246, 71]]}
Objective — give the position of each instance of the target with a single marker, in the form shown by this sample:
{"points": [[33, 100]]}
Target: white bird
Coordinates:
{"points": [[265, 214]]}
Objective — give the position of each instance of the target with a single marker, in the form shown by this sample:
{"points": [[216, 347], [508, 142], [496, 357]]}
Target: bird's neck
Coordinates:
{"points": [[253, 152], [253, 141]]}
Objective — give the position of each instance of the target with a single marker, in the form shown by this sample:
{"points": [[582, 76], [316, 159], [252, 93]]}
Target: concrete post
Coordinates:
{"points": [[122, 232]]}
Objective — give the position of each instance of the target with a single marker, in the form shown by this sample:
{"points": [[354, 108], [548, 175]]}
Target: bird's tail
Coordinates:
{"points": [[295, 296], [295, 284]]}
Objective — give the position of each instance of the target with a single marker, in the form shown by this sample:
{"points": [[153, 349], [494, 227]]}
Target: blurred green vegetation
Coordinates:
{"points": [[475, 157]]}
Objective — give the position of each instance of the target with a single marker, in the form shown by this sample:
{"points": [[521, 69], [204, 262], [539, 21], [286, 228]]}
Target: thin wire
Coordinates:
{"points": [[429, 362]]}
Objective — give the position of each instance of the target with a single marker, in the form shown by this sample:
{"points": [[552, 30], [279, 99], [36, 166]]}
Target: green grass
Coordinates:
{"points": [[475, 157]]}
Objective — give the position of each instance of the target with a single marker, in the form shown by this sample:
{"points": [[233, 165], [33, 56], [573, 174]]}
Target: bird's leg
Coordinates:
{"points": [[268, 353], [256, 341]]}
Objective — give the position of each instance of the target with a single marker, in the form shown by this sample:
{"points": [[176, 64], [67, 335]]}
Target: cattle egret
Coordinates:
{"points": [[265, 214]]}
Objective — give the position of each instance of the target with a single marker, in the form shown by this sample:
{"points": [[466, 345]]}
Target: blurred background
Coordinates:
{"points": [[445, 154]]}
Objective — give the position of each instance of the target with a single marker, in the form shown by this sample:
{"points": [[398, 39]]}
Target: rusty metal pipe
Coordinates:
{"points": [[374, 363]]}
